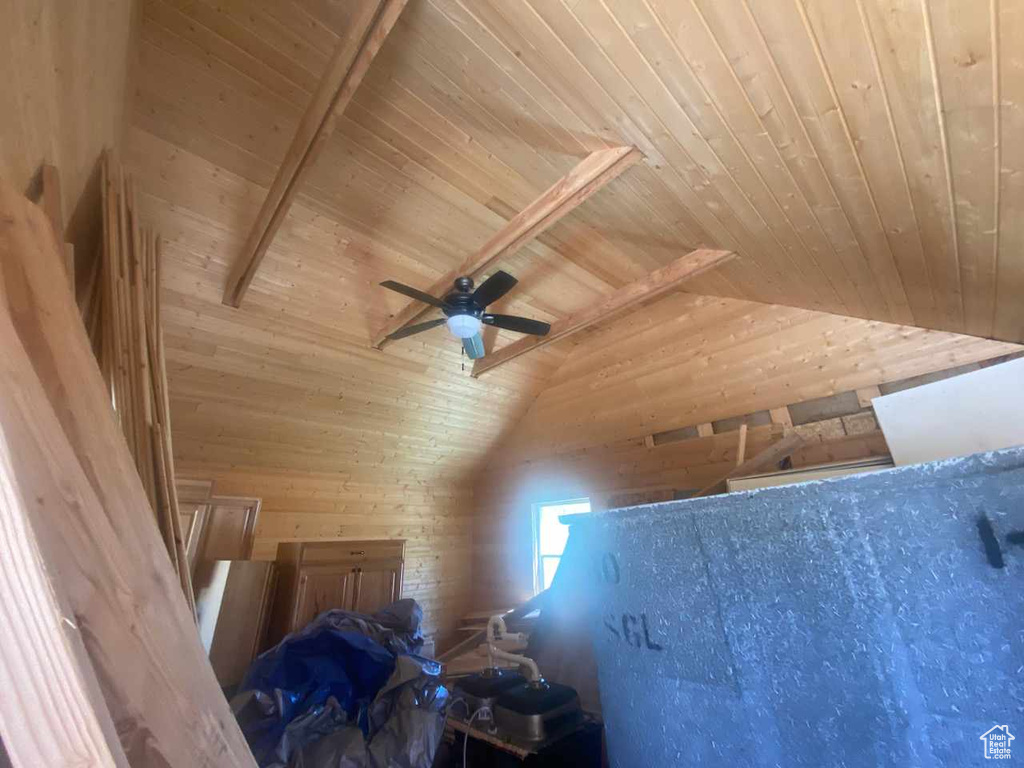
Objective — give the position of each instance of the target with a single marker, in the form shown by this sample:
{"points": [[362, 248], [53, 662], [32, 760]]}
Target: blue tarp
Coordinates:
{"points": [[301, 674], [344, 692]]}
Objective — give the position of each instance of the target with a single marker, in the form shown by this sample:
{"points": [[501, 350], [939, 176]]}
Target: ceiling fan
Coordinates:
{"points": [[464, 311]]}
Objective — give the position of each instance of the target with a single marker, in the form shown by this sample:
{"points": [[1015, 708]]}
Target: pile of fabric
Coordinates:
{"points": [[348, 691]]}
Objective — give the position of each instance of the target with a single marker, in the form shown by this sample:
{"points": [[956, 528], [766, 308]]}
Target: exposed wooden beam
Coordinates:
{"points": [[583, 181], [655, 284], [769, 458], [350, 63], [866, 395], [781, 416]]}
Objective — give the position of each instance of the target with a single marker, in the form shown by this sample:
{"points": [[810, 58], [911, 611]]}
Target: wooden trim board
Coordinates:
{"points": [[346, 71], [659, 282]]}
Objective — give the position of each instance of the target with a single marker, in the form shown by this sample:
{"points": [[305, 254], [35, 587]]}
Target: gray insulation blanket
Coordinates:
{"points": [[875, 620]]}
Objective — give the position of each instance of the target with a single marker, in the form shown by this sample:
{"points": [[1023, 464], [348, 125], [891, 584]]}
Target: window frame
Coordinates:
{"points": [[538, 558]]}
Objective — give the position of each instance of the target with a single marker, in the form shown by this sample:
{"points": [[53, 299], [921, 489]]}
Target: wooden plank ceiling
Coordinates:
{"points": [[688, 360], [847, 151]]}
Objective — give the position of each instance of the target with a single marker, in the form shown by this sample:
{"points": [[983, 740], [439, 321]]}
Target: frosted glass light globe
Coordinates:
{"points": [[464, 326]]}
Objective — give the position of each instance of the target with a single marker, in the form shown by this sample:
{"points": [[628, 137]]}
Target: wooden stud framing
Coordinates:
{"points": [[866, 395], [350, 63], [582, 182], [764, 460], [741, 448], [781, 416], [657, 283]]}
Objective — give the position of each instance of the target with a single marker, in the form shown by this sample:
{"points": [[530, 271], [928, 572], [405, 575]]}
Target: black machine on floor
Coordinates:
{"points": [[523, 724], [481, 691], [512, 709], [537, 712]]}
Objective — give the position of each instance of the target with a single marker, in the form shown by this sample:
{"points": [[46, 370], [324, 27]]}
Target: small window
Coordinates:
{"points": [[549, 537]]}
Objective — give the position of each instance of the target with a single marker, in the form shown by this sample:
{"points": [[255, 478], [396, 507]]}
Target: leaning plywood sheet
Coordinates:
{"points": [[91, 519], [978, 411]]}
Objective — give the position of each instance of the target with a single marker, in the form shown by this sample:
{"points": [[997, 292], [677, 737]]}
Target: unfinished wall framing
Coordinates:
{"points": [[648, 409]]}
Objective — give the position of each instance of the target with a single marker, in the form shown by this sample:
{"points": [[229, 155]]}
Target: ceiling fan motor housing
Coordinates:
{"points": [[462, 312]]}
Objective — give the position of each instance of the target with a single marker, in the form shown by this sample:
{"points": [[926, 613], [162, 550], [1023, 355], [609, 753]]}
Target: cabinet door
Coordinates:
{"points": [[322, 588], [230, 527], [376, 587]]}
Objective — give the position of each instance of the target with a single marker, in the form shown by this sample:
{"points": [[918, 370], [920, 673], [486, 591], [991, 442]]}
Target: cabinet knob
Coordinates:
{"points": [[358, 552]]}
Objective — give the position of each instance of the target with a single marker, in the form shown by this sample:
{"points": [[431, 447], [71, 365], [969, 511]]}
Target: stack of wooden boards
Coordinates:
{"points": [[99, 655], [122, 313]]}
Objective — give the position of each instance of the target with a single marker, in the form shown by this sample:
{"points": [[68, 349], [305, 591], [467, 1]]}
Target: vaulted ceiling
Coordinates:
{"points": [[849, 151]]}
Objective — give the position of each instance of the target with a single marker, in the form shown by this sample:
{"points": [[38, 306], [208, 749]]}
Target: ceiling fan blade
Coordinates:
{"points": [[474, 347], [519, 324], [413, 293], [411, 330], [493, 288]]}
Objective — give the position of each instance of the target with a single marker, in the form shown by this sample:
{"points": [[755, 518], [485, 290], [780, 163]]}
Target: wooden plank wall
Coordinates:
{"points": [[681, 362], [435, 521], [284, 400], [688, 360], [65, 70], [763, 132]]}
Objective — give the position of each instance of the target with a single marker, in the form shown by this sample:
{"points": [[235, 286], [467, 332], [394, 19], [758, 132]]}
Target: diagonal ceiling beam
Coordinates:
{"points": [[589, 176], [628, 296], [767, 459], [350, 63]]}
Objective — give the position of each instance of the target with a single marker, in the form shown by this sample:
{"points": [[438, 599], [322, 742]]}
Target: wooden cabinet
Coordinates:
{"points": [[315, 576], [376, 586], [320, 588]]}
